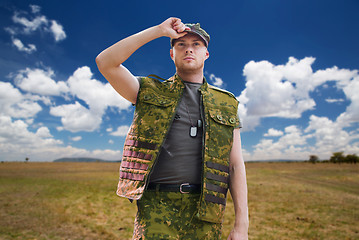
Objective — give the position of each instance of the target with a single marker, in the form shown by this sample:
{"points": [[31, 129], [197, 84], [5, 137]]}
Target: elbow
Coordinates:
{"points": [[104, 64], [232, 170], [233, 166], [99, 62]]}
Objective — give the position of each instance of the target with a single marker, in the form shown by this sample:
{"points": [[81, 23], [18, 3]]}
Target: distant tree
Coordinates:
{"points": [[313, 158], [27, 159], [352, 158], [337, 157]]}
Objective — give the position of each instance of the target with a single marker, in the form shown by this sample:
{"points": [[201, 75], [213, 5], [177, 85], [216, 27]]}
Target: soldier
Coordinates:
{"points": [[183, 150]]}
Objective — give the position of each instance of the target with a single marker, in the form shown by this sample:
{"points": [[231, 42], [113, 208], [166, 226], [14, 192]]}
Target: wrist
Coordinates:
{"points": [[160, 30], [150, 34], [241, 226]]}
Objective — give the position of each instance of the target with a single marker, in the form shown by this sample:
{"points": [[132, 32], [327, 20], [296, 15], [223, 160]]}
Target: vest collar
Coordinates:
{"points": [[177, 79]]}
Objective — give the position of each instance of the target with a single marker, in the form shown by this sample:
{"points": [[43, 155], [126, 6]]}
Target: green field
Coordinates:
{"points": [[78, 201]]}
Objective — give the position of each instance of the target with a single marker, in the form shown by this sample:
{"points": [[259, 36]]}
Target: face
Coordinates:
{"points": [[189, 53]]}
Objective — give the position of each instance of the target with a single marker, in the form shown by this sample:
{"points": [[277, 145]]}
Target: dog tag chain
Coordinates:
{"points": [[193, 130]]}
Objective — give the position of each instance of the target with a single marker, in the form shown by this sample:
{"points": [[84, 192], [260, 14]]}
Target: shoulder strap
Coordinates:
{"points": [[221, 90], [156, 77]]}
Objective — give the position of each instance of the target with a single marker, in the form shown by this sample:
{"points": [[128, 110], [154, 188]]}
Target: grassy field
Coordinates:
{"points": [[78, 201]]}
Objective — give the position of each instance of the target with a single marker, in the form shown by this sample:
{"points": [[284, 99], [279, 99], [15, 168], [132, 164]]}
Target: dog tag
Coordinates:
{"points": [[193, 132]]}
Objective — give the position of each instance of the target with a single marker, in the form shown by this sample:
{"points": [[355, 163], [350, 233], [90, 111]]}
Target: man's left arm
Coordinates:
{"points": [[238, 189]]}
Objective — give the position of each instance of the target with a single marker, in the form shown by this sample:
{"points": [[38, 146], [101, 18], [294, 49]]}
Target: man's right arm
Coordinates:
{"points": [[110, 60]]}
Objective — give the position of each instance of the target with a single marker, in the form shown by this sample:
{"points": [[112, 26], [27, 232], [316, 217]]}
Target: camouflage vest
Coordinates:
{"points": [[155, 110]]}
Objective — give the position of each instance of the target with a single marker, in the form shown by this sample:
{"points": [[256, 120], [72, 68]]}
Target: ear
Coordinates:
{"points": [[171, 53], [207, 54]]}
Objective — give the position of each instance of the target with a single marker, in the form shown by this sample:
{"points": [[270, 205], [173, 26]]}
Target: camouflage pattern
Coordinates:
{"points": [[220, 108], [170, 215], [155, 110]]}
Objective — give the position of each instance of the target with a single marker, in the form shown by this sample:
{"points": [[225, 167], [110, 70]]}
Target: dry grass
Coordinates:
{"points": [[78, 201]]}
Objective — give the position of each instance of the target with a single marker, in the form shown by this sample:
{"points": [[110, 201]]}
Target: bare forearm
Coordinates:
{"points": [[238, 189], [122, 50]]}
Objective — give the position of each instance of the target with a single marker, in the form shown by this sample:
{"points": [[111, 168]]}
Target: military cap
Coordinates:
{"points": [[196, 29]]}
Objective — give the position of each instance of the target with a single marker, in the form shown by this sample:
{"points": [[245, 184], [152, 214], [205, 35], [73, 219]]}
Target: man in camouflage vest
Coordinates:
{"points": [[183, 150]]}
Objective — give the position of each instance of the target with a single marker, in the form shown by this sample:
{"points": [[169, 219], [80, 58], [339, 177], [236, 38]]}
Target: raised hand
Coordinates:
{"points": [[173, 28]]}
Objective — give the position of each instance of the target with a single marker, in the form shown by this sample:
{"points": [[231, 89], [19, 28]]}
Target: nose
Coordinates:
{"points": [[189, 50]]}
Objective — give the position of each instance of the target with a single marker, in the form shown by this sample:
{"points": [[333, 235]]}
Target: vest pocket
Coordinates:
{"points": [[153, 98], [216, 181], [223, 117], [155, 110], [220, 132], [132, 175]]}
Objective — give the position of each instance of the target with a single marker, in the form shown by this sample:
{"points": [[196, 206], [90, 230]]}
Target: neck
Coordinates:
{"points": [[191, 77]]}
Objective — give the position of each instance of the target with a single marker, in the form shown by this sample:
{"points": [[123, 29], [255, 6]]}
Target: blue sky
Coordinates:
{"points": [[293, 65]]}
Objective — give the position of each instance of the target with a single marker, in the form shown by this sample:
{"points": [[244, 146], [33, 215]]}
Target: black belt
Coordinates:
{"points": [[182, 188]]}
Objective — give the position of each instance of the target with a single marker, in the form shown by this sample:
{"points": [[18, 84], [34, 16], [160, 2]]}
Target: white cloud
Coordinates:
{"points": [[107, 154], [216, 81], [35, 8], [40, 82], [28, 23], [58, 31], [273, 133], [22, 48], [60, 128], [293, 137], [342, 77], [332, 100], [290, 146], [249, 122], [76, 117], [284, 90], [121, 131], [76, 139], [351, 115], [270, 94], [17, 143], [14, 104], [11, 31], [29, 121], [330, 136], [43, 132], [45, 99], [96, 94], [16, 140]]}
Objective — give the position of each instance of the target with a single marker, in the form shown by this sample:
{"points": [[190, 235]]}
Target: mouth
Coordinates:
{"points": [[188, 58]]}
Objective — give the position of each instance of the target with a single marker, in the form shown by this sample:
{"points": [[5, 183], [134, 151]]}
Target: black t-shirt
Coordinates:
{"points": [[180, 159]]}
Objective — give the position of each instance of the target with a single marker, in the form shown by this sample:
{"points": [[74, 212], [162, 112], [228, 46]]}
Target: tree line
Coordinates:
{"points": [[337, 157]]}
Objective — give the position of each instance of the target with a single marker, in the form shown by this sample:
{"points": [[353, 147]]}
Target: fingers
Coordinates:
{"points": [[178, 26], [173, 28]]}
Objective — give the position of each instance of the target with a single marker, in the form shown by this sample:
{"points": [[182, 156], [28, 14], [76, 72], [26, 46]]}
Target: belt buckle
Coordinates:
{"points": [[181, 186]]}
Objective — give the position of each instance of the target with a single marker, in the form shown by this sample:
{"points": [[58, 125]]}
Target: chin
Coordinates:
{"points": [[189, 68]]}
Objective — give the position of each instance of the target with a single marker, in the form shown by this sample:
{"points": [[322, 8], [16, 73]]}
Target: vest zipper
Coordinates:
{"points": [[159, 151]]}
